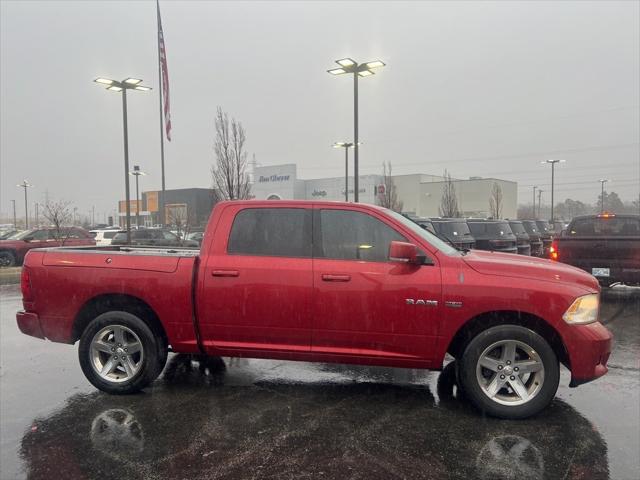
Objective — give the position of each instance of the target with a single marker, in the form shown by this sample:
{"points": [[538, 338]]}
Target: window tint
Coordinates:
{"points": [[490, 228], [348, 235], [605, 226], [278, 232], [40, 235], [169, 236], [109, 234]]}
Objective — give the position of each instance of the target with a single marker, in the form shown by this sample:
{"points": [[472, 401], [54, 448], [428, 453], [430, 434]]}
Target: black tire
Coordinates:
{"points": [[471, 384], [150, 360], [7, 259]]}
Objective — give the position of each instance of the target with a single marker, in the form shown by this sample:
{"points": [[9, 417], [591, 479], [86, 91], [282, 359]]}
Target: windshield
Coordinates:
{"points": [[21, 235], [427, 236], [530, 227], [517, 227], [490, 228], [543, 225], [453, 229]]}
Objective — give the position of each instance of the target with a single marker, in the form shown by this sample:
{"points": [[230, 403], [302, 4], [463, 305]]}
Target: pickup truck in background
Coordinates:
{"points": [[607, 246], [322, 282]]}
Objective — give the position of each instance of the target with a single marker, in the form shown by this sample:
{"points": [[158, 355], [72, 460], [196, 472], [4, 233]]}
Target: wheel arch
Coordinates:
{"points": [[13, 252], [487, 320], [116, 302]]}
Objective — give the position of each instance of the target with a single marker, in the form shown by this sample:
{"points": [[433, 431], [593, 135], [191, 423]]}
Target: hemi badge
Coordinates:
{"points": [[453, 304]]}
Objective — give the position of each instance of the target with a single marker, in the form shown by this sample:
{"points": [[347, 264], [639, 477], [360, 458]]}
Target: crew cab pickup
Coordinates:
{"points": [[606, 246], [322, 282]]}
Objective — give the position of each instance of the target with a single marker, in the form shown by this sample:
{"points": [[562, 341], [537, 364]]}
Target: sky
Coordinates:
{"points": [[478, 88]]}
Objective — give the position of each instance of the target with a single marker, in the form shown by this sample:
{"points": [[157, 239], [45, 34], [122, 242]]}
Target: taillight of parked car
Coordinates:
{"points": [[553, 250], [25, 285]]}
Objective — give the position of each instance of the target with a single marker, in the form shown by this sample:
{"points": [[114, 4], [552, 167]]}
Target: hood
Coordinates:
{"points": [[521, 266]]}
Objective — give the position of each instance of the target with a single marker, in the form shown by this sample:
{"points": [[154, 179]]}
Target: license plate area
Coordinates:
{"points": [[600, 272]]}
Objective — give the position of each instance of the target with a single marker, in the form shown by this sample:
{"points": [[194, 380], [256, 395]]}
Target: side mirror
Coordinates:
{"points": [[403, 252]]}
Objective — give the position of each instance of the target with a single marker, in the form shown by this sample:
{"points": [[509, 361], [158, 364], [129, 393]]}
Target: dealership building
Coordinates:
{"points": [[420, 193]]}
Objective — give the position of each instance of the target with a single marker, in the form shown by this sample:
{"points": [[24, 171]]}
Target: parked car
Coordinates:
{"points": [[196, 236], [323, 282], [607, 246], [13, 250], [104, 237], [546, 234], [523, 240], [531, 227], [493, 235], [456, 231], [152, 237]]}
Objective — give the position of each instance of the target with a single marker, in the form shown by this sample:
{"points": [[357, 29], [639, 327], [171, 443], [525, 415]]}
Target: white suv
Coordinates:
{"points": [[104, 237]]}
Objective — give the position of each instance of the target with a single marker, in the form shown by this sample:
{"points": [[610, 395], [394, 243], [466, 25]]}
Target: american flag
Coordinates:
{"points": [[162, 53]]}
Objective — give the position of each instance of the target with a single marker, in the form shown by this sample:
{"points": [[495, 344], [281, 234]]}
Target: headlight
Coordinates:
{"points": [[583, 310]]}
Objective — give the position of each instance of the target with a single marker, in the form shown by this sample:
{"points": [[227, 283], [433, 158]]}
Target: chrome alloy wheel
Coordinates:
{"points": [[510, 372], [116, 353]]}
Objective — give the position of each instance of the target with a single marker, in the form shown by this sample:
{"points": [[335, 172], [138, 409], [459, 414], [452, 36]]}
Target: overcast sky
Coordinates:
{"points": [[480, 88]]}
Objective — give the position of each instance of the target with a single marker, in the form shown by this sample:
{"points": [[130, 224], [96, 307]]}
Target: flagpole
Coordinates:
{"points": [[162, 213]]}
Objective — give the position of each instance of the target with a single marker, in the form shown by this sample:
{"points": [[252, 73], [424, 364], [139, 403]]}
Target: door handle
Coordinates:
{"points": [[225, 273], [335, 278]]}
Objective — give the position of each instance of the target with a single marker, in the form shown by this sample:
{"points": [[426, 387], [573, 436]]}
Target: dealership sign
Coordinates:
{"points": [[274, 178]]}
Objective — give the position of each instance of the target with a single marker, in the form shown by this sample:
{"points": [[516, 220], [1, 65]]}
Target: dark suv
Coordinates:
{"points": [[535, 240], [153, 237], [493, 235], [456, 231], [522, 237]]}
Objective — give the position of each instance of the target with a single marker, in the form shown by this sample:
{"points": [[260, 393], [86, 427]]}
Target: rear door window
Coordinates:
{"points": [[277, 232]]}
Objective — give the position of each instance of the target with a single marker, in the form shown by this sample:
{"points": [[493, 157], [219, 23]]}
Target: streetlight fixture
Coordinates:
{"points": [[553, 165], [25, 185], [602, 182], [123, 86], [137, 172], [346, 146], [348, 65]]}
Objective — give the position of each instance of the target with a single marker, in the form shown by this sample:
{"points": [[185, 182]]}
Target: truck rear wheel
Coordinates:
{"points": [[509, 371], [119, 353], [7, 259]]}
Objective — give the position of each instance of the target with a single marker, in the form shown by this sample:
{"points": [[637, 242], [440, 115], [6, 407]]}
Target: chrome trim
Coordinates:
{"points": [[453, 304]]}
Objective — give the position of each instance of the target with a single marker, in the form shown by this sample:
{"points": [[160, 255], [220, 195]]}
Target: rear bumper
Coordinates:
{"points": [[589, 347], [29, 324]]}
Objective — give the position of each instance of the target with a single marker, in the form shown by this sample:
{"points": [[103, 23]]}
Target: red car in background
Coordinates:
{"points": [[12, 251]]}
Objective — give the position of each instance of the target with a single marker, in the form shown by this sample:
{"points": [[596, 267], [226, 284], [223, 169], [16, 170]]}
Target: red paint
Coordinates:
{"points": [[315, 309]]}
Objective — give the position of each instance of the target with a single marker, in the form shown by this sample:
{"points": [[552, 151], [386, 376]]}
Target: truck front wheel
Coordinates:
{"points": [[509, 371], [119, 353]]}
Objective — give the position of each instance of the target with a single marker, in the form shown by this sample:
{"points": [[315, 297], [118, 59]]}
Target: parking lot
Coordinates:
{"points": [[274, 419]]}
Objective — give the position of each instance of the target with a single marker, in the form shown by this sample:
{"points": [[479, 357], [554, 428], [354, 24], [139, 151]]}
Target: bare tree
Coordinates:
{"points": [[181, 218], [449, 201], [495, 201], [389, 197], [59, 216], [229, 173]]}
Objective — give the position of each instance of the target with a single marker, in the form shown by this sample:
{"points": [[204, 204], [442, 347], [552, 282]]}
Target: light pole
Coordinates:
{"points": [[534, 201], [348, 65], [37, 219], [539, 200], [137, 172], [14, 214], [346, 146], [553, 165], [602, 182], [123, 86], [25, 185]]}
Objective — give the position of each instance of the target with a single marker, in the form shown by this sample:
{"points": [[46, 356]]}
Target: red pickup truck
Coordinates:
{"points": [[322, 282]]}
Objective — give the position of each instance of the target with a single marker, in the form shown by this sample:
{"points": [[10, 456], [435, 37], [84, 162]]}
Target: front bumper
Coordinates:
{"points": [[29, 324], [589, 347]]}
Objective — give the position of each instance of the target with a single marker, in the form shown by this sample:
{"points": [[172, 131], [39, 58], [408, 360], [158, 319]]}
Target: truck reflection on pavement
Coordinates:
{"points": [[334, 421]]}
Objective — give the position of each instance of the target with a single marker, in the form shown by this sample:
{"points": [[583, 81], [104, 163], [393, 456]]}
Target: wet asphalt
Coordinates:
{"points": [[237, 418]]}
